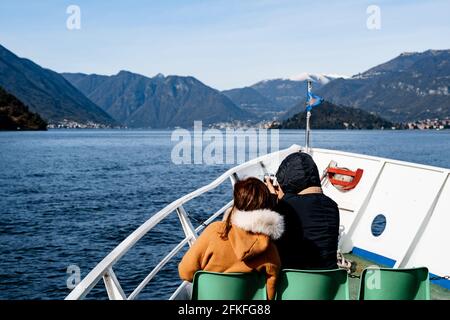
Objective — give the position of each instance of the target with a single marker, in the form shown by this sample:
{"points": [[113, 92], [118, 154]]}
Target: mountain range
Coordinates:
{"points": [[412, 86], [158, 102], [287, 92], [47, 92], [271, 99]]}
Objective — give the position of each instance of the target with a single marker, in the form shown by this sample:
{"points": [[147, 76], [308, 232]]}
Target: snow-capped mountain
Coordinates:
{"points": [[317, 77], [287, 92], [275, 96], [412, 86]]}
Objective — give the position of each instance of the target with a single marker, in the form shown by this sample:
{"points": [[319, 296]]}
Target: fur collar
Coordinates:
{"points": [[263, 221]]}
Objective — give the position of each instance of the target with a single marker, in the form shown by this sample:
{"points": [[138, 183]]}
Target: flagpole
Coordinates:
{"points": [[308, 130], [308, 117]]}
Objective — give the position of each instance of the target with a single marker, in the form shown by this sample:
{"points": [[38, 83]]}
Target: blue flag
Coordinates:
{"points": [[312, 101]]}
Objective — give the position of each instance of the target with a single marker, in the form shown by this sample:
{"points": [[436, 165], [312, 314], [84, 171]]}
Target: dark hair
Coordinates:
{"points": [[248, 195], [298, 172]]}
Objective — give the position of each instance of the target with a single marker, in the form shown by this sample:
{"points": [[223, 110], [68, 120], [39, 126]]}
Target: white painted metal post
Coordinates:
{"points": [[188, 228], [112, 286], [308, 118], [308, 131]]}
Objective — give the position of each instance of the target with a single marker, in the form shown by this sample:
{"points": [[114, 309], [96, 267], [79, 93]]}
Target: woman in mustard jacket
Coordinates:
{"points": [[243, 242]]}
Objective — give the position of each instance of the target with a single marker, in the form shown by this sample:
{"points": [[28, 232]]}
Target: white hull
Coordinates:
{"points": [[415, 200]]}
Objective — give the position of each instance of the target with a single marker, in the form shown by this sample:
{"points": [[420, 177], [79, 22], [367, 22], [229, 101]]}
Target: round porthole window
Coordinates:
{"points": [[378, 225]]}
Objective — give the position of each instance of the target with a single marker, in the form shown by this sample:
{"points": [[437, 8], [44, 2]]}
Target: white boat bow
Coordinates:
{"points": [[412, 200]]}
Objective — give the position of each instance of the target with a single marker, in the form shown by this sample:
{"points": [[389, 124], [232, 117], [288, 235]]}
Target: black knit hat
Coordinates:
{"points": [[298, 172]]}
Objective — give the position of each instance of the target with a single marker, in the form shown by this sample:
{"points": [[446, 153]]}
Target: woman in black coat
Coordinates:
{"points": [[311, 234]]}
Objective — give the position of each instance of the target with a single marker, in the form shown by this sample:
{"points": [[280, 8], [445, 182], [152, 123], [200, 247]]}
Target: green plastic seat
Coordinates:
{"points": [[394, 284], [313, 285], [229, 286]]}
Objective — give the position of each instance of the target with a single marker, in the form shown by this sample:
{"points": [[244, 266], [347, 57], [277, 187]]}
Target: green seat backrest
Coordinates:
{"points": [[394, 284], [229, 286], [313, 285]]}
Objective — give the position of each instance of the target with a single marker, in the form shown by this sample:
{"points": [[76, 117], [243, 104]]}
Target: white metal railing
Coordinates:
{"points": [[104, 270], [166, 259]]}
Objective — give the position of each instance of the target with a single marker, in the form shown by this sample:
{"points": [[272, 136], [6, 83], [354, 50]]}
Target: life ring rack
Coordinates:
{"points": [[343, 179]]}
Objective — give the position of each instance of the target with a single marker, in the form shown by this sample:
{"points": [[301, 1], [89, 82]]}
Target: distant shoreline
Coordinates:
{"points": [[256, 127]]}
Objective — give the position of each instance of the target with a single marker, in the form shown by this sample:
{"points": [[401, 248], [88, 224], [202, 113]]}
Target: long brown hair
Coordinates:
{"points": [[249, 194]]}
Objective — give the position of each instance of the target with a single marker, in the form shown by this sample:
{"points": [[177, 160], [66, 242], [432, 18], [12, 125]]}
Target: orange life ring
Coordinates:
{"points": [[343, 178]]}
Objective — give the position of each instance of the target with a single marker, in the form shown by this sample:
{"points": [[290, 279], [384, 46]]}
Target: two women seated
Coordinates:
{"points": [[269, 228]]}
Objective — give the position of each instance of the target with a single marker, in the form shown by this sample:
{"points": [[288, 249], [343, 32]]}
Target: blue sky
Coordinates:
{"points": [[224, 43]]}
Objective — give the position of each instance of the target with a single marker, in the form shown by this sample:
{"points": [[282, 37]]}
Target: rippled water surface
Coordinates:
{"points": [[68, 197]]}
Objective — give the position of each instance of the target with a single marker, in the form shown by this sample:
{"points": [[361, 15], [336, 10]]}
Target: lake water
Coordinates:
{"points": [[68, 197]]}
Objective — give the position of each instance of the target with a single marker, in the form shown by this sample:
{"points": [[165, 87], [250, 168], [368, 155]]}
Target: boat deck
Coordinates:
{"points": [[437, 292]]}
